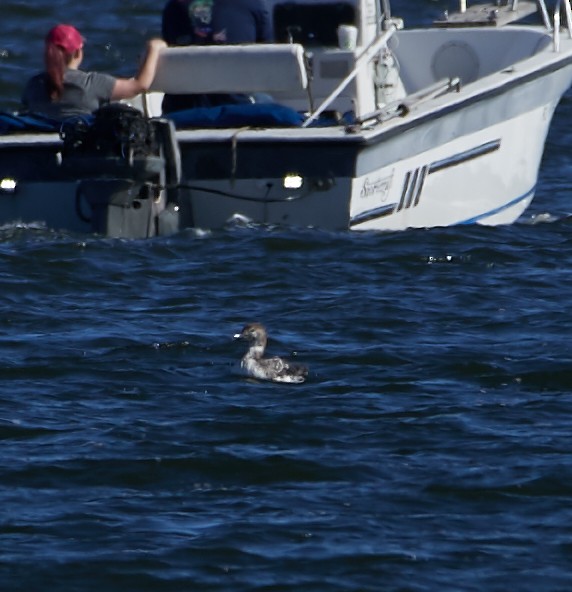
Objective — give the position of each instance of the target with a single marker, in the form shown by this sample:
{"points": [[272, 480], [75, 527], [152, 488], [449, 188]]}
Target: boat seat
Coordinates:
{"points": [[231, 69]]}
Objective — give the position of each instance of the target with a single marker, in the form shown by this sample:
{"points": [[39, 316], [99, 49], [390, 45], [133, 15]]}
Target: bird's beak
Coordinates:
{"points": [[236, 336]]}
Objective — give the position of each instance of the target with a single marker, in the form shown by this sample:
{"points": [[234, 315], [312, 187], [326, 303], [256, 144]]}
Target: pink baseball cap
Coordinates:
{"points": [[66, 37]]}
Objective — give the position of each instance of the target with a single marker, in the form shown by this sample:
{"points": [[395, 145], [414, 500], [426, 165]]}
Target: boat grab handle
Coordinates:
{"points": [[403, 107]]}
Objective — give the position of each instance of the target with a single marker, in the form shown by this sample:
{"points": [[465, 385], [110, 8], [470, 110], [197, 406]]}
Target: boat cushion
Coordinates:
{"points": [[239, 115], [29, 122], [231, 69], [223, 116]]}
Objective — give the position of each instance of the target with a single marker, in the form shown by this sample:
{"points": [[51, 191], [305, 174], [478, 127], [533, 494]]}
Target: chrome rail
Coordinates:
{"points": [[552, 24], [557, 21], [544, 12]]}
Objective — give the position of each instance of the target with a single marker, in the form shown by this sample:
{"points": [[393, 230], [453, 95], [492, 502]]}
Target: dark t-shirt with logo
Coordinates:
{"points": [[202, 22], [206, 22], [187, 22]]}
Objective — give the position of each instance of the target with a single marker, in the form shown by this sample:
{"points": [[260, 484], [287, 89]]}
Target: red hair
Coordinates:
{"points": [[56, 60], [62, 42]]}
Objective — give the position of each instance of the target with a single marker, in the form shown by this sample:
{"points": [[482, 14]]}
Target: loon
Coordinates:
{"points": [[274, 369]]}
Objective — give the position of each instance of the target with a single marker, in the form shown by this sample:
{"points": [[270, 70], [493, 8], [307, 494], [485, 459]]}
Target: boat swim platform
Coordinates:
{"points": [[490, 14]]}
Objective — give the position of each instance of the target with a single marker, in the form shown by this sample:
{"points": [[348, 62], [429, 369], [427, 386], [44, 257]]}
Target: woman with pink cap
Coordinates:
{"points": [[64, 90]]}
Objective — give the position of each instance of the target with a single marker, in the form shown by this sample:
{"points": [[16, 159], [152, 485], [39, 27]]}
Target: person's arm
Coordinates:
{"points": [[127, 88]]}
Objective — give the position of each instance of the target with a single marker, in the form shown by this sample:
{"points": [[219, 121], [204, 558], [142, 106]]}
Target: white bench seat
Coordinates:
{"points": [[231, 69]]}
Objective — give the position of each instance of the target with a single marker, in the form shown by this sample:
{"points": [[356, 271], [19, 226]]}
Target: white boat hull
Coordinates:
{"points": [[485, 176]]}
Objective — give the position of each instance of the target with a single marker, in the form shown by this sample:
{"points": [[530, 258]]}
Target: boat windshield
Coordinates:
{"points": [[312, 25]]}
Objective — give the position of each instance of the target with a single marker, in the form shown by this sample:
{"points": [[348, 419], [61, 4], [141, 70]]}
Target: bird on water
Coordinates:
{"points": [[274, 369]]}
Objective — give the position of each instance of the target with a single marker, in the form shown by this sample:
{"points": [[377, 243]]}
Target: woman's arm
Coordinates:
{"points": [[127, 88]]}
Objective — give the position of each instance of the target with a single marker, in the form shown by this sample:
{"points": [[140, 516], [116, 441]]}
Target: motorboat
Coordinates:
{"points": [[349, 120]]}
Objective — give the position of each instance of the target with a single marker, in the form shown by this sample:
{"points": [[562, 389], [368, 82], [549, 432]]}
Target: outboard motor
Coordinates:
{"points": [[124, 163]]}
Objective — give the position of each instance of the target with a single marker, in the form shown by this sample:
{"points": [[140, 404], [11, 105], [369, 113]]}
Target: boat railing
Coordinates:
{"points": [[556, 29], [556, 21], [553, 24], [544, 12], [503, 12], [390, 26]]}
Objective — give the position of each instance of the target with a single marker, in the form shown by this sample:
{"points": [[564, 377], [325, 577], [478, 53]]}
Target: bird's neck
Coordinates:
{"points": [[256, 350]]}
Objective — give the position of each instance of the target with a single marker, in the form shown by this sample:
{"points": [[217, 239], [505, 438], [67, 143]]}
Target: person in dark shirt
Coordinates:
{"points": [[187, 22], [204, 22], [241, 21], [63, 90]]}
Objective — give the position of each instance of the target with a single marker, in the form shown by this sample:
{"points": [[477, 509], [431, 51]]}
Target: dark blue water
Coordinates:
{"points": [[430, 449]]}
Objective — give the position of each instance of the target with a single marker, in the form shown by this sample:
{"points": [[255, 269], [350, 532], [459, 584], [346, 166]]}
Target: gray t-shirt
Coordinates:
{"points": [[84, 92]]}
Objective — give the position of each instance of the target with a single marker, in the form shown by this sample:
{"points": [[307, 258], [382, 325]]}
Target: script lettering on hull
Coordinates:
{"points": [[378, 187]]}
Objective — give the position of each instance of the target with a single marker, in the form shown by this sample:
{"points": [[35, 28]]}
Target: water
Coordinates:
{"points": [[430, 448]]}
